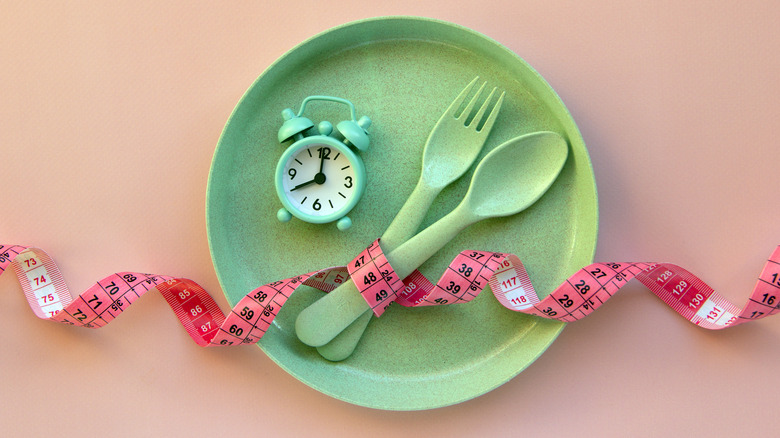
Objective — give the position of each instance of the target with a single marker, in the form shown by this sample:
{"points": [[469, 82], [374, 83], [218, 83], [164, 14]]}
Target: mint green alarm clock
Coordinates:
{"points": [[319, 177]]}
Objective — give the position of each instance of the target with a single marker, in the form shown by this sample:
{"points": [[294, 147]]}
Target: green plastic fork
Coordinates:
{"points": [[451, 148]]}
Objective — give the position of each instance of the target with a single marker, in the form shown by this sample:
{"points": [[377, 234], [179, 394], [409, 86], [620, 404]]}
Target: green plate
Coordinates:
{"points": [[402, 72]]}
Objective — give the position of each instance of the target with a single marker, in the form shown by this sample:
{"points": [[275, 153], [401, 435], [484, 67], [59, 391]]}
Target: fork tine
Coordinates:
{"points": [[466, 111], [459, 100], [493, 114], [478, 116]]}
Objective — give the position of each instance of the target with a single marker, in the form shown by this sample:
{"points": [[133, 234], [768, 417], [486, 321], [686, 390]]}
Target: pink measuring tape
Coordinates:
{"points": [[465, 277]]}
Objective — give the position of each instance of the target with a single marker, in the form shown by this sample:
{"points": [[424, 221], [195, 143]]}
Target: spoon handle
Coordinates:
{"points": [[415, 251]]}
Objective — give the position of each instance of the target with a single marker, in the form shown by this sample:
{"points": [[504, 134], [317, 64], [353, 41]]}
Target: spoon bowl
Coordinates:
{"points": [[518, 177]]}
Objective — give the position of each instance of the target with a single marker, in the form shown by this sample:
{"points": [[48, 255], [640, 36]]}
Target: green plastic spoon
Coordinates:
{"points": [[507, 181]]}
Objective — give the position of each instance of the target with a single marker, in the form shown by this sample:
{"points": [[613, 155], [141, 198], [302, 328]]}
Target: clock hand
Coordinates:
{"points": [[304, 184]]}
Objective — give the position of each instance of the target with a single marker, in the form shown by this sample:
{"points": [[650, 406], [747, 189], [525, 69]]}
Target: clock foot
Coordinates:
{"points": [[283, 215], [344, 223]]}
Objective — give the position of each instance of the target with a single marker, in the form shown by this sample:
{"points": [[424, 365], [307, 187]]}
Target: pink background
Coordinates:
{"points": [[109, 115]]}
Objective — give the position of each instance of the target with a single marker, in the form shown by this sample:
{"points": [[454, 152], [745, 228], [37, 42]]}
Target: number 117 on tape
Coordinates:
{"points": [[513, 290]]}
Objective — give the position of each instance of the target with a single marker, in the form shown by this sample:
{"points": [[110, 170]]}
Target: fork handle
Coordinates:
{"points": [[408, 219], [405, 224], [316, 324]]}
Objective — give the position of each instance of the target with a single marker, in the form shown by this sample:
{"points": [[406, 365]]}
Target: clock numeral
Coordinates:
{"points": [[348, 183]]}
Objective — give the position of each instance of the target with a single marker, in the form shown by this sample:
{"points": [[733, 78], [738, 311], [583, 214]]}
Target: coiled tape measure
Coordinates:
{"points": [[468, 274]]}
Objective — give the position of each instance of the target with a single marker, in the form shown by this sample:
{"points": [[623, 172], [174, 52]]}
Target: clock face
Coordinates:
{"points": [[321, 180]]}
